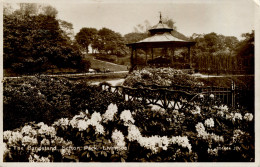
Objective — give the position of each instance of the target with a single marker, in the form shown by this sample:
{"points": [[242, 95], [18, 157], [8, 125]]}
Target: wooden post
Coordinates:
{"points": [[233, 93], [132, 60], [135, 56], [173, 51], [146, 56], [189, 54], [152, 53]]}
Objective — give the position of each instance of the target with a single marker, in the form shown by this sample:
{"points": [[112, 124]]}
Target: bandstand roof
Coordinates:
{"points": [[161, 40], [161, 36]]}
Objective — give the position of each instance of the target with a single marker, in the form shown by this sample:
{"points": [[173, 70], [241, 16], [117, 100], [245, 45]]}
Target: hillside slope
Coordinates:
{"points": [[103, 65]]}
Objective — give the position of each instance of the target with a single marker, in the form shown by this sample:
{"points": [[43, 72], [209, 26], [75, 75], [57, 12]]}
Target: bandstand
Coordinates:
{"points": [[161, 37]]}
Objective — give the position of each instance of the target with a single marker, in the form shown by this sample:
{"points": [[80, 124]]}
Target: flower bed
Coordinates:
{"points": [[161, 77], [200, 133]]}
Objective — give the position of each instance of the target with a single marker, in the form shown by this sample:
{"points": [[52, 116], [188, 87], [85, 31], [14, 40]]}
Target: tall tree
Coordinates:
{"points": [[67, 29], [86, 36], [49, 11], [110, 42], [33, 42]]}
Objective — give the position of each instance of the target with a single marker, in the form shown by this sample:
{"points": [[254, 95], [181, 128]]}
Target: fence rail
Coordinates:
{"points": [[176, 95]]}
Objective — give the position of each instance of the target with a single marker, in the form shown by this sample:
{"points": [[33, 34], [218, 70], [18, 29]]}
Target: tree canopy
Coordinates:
{"points": [[34, 40], [223, 53], [86, 36], [104, 41]]}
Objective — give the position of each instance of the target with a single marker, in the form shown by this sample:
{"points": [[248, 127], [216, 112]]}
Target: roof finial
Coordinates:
{"points": [[160, 17]]}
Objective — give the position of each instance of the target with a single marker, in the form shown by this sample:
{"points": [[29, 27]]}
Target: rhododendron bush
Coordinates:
{"points": [[161, 76], [197, 133]]}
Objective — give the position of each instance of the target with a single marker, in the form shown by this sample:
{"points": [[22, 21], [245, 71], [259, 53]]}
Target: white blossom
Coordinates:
{"points": [[248, 117], [15, 138], [196, 110], [7, 135], [99, 129], [26, 130], [40, 124], [46, 130], [82, 125], [238, 116], [45, 142], [74, 122], [26, 140], [133, 133], [209, 122], [95, 118], [181, 141], [220, 113], [37, 158], [110, 112], [62, 122], [6, 150], [213, 152], [127, 117], [237, 135], [223, 108], [200, 128], [118, 138]]}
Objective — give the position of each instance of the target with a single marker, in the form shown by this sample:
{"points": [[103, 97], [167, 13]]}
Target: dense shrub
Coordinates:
{"points": [[216, 132], [35, 99], [41, 97], [46, 99], [204, 130], [161, 77], [205, 133]]}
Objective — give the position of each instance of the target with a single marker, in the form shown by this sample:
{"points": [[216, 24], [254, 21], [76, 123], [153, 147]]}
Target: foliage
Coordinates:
{"points": [[200, 133], [216, 133], [134, 37], [110, 42], [35, 41], [35, 99], [222, 54], [161, 77], [86, 36], [41, 97]]}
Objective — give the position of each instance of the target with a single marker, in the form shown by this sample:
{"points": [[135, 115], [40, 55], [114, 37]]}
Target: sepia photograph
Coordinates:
{"points": [[129, 81]]}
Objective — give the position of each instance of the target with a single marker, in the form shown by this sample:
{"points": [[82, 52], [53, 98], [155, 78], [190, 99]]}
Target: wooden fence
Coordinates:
{"points": [[177, 96]]}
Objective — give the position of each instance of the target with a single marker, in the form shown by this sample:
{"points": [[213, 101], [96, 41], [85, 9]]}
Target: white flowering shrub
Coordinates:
{"points": [[201, 133], [34, 141]]}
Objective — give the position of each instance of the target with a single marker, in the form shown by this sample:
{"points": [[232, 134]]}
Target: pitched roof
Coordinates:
{"points": [[161, 26], [165, 37]]}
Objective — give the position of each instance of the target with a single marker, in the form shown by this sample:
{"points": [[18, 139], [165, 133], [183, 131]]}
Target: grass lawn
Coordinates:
{"points": [[95, 64], [102, 65]]}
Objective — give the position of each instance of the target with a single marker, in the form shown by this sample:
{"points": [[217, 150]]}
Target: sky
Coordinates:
{"points": [[226, 17], [229, 17]]}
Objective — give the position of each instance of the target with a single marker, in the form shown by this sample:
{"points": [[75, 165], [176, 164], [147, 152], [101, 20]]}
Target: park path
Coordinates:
{"points": [[114, 82], [67, 75]]}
